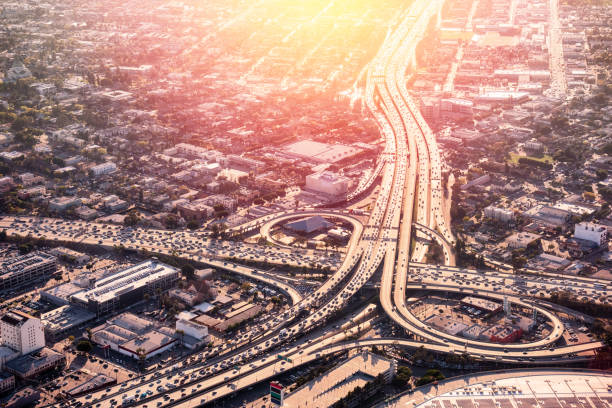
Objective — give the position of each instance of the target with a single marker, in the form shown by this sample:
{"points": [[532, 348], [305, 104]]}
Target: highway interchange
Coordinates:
{"points": [[408, 205]]}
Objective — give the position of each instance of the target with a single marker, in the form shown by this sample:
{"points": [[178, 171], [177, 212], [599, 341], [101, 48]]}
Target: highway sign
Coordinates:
{"points": [[281, 357], [277, 393]]}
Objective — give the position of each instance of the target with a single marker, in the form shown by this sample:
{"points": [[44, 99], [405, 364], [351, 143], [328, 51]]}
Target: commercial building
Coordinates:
{"points": [[321, 152], [21, 332], [7, 382], [502, 334], [487, 306], [58, 322], [134, 336], [455, 108], [521, 239], [196, 210], [194, 333], [328, 183], [33, 364], [70, 255], [499, 214], [24, 269], [126, 287], [446, 324], [61, 204], [591, 232], [104, 168], [309, 225]]}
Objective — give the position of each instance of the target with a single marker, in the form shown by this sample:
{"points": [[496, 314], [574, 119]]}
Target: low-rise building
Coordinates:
{"points": [[58, 322], [328, 183], [591, 232], [497, 213], [24, 269], [134, 336], [521, 239], [33, 364], [61, 204], [7, 382]]}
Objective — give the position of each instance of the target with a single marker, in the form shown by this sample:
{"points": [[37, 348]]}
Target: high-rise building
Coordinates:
{"points": [[22, 332]]}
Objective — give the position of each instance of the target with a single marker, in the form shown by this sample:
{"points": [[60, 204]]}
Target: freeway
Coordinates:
{"points": [[158, 241], [558, 85], [598, 291], [409, 204]]}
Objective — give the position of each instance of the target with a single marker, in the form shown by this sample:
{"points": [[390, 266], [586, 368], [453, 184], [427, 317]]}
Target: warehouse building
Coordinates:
{"points": [[131, 335]]}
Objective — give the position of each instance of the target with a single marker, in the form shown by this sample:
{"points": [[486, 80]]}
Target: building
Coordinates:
{"points": [[61, 204], [548, 215], [16, 72], [549, 262], [455, 108], [86, 213], [521, 239], [195, 210], [33, 364], [309, 225], [6, 184], [499, 214], [70, 255], [7, 382], [126, 287], [58, 322], [591, 232], [193, 333], [21, 332], [317, 152], [31, 192], [134, 336], [7, 354], [486, 306], [502, 334], [104, 168], [446, 324], [479, 181], [328, 183], [21, 270]]}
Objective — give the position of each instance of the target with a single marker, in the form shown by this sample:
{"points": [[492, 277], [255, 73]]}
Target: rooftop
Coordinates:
{"points": [[125, 280]]}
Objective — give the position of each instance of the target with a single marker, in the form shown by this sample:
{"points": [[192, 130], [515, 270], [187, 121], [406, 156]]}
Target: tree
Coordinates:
{"points": [[193, 225], [602, 174], [402, 377], [131, 219], [2, 235], [142, 356], [181, 334], [84, 345], [188, 271]]}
